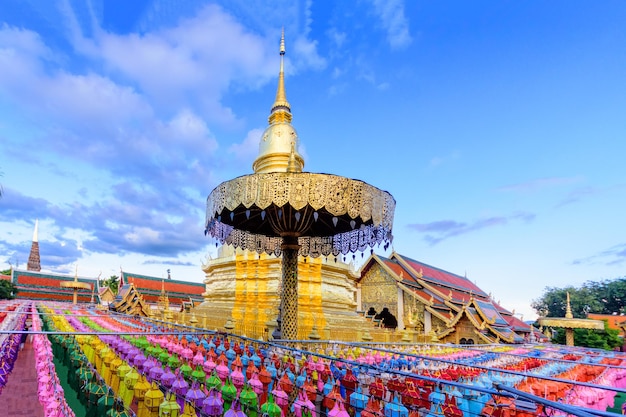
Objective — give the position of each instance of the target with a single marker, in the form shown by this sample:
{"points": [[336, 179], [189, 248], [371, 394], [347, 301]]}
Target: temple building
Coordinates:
{"points": [[34, 285], [151, 288], [432, 301], [386, 299]]}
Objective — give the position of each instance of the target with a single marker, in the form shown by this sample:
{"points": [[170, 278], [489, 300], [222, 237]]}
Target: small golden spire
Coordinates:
{"points": [[292, 164], [281, 110], [568, 309]]}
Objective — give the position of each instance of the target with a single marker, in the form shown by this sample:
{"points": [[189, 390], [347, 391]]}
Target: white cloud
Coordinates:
{"points": [[391, 14], [437, 161], [205, 53], [338, 38], [247, 150]]}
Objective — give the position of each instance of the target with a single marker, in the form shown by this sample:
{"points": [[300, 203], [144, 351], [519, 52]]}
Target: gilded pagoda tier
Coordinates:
{"points": [[243, 285]]}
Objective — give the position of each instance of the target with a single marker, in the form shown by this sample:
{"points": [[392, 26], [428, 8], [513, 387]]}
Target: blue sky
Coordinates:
{"points": [[499, 128]]}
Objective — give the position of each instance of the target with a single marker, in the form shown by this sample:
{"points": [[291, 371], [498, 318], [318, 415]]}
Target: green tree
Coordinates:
{"points": [[611, 295], [602, 297], [553, 303], [112, 282], [7, 290]]}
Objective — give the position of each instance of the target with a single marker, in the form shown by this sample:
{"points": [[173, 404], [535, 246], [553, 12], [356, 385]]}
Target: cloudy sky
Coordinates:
{"points": [[499, 128]]}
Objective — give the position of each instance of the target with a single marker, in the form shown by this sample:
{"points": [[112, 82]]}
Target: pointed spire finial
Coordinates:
{"points": [[278, 147], [292, 164], [568, 309], [281, 110], [282, 42], [36, 231], [34, 260]]}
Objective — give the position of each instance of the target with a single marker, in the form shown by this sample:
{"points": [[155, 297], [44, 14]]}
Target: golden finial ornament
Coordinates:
{"points": [[568, 309], [278, 146], [281, 103], [292, 165]]}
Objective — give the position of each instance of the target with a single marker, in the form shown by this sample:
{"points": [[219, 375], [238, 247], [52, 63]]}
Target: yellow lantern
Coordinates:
{"points": [[190, 410], [141, 387], [153, 399]]}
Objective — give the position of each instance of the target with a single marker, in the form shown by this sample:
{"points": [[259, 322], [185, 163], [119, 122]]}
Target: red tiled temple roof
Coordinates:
{"points": [[440, 277], [490, 312], [47, 286], [429, 282], [412, 282], [177, 291], [516, 324]]}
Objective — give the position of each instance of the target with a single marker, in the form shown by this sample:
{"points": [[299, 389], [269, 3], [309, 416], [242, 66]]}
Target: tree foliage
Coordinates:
{"points": [[603, 297], [7, 290], [113, 282]]}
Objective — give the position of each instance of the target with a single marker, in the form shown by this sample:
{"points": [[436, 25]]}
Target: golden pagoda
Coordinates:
{"points": [[244, 286], [281, 272]]}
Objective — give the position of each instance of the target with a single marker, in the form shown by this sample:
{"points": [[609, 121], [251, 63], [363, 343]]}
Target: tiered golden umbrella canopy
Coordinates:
{"points": [[75, 286], [569, 323], [281, 210]]}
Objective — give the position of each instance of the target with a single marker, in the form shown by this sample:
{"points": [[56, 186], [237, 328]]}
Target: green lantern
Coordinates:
{"points": [[214, 382], [169, 407], [198, 374], [106, 402], [173, 362], [94, 390], [229, 392], [270, 407], [249, 401]]}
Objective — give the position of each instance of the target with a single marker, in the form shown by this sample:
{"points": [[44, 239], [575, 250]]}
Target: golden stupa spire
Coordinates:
{"points": [[281, 110], [568, 309], [278, 150], [292, 164]]}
